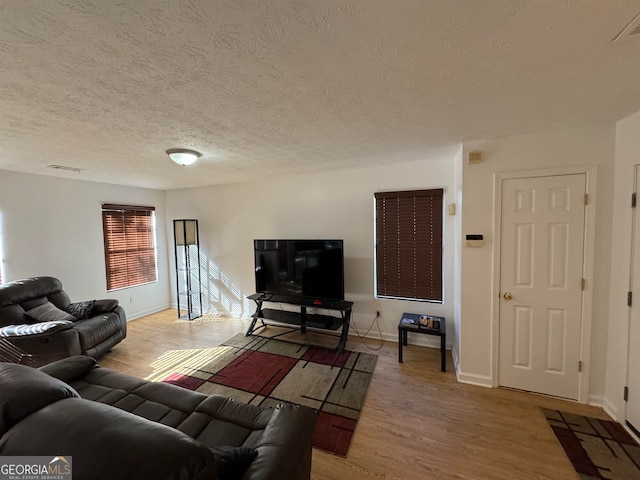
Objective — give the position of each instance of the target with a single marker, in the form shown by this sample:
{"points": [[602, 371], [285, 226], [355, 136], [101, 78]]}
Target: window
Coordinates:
{"points": [[129, 245], [408, 260]]}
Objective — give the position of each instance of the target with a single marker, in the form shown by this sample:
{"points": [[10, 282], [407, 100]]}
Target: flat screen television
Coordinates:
{"points": [[306, 268]]}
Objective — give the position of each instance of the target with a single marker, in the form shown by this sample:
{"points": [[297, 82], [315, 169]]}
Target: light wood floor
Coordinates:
{"points": [[417, 423]]}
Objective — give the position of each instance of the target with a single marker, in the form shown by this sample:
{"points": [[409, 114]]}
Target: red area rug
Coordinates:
{"points": [[263, 371], [597, 449]]}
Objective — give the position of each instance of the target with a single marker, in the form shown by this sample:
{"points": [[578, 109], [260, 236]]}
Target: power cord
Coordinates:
{"points": [[362, 337]]}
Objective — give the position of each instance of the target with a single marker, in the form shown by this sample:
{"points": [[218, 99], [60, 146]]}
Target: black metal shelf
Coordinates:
{"points": [[328, 303], [301, 317], [325, 322]]}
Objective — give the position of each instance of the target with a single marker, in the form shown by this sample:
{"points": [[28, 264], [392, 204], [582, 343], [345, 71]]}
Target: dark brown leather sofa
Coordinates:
{"points": [[39, 319], [117, 426]]}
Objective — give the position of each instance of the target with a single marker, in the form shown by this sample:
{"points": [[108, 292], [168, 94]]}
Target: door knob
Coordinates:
{"points": [[507, 296]]}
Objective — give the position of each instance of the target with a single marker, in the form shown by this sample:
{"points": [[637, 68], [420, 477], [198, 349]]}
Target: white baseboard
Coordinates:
{"points": [[456, 360], [612, 411], [474, 379], [469, 378], [596, 400], [429, 341], [144, 313], [419, 340], [385, 336]]}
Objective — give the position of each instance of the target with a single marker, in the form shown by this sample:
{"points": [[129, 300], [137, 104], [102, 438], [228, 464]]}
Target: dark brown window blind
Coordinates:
{"points": [[409, 244], [129, 245]]}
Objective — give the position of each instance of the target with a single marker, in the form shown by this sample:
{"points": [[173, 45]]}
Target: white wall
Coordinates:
{"points": [[329, 205], [585, 146], [627, 155], [53, 227]]}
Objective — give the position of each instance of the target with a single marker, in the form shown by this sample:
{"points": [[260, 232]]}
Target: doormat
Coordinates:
{"points": [[597, 448], [264, 371]]}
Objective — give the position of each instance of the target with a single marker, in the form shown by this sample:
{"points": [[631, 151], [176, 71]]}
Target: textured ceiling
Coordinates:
{"points": [[266, 88]]}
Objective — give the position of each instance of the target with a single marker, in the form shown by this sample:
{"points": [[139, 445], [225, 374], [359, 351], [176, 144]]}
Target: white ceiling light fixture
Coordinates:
{"points": [[183, 156]]}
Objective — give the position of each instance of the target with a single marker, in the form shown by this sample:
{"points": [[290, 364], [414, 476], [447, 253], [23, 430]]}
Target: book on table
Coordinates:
{"points": [[425, 321]]}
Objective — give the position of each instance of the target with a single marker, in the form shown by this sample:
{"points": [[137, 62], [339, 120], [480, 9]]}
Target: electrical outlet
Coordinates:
{"points": [[377, 313], [130, 299]]}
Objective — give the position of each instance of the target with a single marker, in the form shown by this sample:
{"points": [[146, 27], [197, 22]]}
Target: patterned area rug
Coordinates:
{"points": [[263, 371], [597, 448]]}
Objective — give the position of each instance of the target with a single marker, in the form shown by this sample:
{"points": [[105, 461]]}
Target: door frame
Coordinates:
{"points": [[635, 230], [587, 266]]}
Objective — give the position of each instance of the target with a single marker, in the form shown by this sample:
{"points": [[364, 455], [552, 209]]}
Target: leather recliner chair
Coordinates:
{"points": [[38, 319]]}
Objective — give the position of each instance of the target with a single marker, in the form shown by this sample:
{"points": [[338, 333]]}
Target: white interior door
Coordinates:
{"points": [[632, 413], [542, 256]]}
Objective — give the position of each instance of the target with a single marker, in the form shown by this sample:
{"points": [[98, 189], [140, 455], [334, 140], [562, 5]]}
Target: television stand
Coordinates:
{"points": [[302, 318]]}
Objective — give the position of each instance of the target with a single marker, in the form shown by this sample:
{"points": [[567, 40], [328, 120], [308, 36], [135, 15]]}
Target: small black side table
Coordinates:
{"points": [[404, 327]]}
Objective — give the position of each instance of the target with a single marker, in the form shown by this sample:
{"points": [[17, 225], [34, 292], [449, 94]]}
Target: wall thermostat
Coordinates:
{"points": [[474, 240]]}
